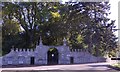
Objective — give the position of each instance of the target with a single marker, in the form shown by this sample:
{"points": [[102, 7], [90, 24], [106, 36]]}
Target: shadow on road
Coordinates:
{"points": [[18, 66], [98, 65], [118, 69]]}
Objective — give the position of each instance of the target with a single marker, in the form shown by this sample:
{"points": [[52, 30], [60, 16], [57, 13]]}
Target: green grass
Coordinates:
{"points": [[117, 65]]}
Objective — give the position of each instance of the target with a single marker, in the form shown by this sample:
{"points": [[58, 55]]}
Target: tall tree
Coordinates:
{"points": [[84, 24]]}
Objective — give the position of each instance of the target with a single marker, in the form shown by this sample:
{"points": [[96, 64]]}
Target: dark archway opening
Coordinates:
{"points": [[71, 60], [52, 56], [32, 60]]}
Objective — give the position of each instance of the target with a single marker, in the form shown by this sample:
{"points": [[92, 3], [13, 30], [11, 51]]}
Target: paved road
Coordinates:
{"points": [[94, 67]]}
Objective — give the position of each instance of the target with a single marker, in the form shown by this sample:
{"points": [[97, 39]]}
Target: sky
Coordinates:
{"points": [[114, 13], [113, 10]]}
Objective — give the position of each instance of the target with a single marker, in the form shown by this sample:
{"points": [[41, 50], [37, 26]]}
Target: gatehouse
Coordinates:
{"points": [[43, 54]]}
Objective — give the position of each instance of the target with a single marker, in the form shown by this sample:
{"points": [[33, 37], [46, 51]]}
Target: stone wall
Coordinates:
{"points": [[23, 56]]}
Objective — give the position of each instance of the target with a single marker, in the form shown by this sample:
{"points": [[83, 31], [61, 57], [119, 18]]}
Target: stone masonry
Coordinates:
{"points": [[39, 56]]}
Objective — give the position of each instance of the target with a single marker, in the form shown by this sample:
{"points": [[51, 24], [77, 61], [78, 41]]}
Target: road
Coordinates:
{"points": [[88, 67]]}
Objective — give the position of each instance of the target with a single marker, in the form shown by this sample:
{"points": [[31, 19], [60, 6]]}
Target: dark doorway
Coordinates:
{"points": [[52, 56], [71, 60], [32, 60]]}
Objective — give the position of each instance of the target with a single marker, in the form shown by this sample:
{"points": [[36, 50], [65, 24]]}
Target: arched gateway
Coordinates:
{"points": [[52, 56], [43, 54]]}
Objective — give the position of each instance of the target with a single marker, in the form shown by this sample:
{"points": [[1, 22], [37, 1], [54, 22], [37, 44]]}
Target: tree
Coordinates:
{"points": [[84, 24]]}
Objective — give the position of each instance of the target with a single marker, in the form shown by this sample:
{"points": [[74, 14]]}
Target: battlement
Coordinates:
{"points": [[77, 50], [21, 50]]}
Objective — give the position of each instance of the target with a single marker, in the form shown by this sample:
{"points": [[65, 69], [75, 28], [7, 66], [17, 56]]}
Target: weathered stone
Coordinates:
{"points": [[39, 55]]}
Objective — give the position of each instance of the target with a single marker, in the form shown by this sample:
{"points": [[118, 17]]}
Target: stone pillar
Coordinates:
{"points": [[64, 41], [24, 50], [20, 50], [40, 41], [16, 49], [12, 50]]}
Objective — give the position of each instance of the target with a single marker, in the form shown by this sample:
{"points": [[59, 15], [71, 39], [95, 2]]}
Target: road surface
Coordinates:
{"points": [[93, 67]]}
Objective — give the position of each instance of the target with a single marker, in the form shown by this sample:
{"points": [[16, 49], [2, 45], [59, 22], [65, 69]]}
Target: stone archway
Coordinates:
{"points": [[52, 56]]}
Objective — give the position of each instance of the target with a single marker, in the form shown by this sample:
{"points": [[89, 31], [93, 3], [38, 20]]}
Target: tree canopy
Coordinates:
{"points": [[85, 25]]}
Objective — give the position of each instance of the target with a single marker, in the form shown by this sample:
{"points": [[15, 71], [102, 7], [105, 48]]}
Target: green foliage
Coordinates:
{"points": [[84, 24], [11, 27], [80, 39]]}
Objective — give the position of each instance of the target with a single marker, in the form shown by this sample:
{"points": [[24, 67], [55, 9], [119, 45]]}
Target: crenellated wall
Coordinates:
{"points": [[18, 56], [21, 50], [39, 55]]}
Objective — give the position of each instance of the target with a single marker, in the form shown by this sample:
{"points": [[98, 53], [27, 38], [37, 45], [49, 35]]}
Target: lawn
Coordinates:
{"points": [[117, 65]]}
